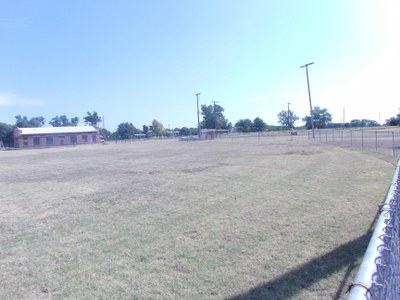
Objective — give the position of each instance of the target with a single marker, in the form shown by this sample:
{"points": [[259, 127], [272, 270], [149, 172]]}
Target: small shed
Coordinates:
{"points": [[55, 136], [207, 134]]}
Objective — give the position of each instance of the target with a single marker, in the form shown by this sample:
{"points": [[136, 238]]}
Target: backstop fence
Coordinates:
{"points": [[385, 140], [379, 274]]}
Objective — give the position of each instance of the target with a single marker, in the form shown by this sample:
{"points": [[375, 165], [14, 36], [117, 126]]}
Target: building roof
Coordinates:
{"points": [[56, 130]]}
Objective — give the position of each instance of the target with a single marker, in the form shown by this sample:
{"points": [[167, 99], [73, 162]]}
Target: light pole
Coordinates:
{"points": [[309, 98], [288, 116], [198, 116], [344, 117]]}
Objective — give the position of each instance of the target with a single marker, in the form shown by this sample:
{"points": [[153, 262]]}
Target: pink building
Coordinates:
{"points": [[55, 136]]}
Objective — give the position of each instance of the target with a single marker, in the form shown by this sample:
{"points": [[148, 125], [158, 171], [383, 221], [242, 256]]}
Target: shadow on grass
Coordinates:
{"points": [[293, 282]]}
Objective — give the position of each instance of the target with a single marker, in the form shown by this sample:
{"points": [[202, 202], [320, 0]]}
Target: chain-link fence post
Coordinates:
{"points": [[394, 150], [362, 139], [351, 138]]}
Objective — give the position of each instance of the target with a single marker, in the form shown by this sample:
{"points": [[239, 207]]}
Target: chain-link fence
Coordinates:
{"points": [[379, 273], [384, 140]]}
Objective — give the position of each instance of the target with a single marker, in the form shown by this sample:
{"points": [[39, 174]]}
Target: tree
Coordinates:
{"points": [[6, 134], [363, 123], [63, 121], [114, 135], [321, 118], [56, 122], [392, 122], [126, 130], [157, 128], [369, 123], [194, 131], [244, 125], [145, 129], [105, 134], [184, 131], [92, 119], [74, 121], [213, 117], [23, 122], [355, 123], [37, 121], [338, 125], [259, 125], [286, 121]]}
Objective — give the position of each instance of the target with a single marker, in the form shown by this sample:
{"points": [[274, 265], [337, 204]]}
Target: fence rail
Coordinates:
{"points": [[383, 140], [379, 273]]}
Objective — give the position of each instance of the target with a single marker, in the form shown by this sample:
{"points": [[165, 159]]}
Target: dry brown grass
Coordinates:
{"points": [[253, 219]]}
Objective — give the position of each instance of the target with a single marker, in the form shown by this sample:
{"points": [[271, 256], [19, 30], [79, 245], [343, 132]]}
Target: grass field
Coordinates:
{"points": [[270, 219]]}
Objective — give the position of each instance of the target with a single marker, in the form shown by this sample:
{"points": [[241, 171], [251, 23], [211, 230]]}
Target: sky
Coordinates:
{"points": [[136, 61]]}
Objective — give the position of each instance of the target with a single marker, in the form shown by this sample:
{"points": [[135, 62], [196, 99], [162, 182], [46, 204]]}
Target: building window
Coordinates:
{"points": [[85, 138], [25, 138], [36, 141], [49, 140], [73, 139], [61, 136], [26, 144]]}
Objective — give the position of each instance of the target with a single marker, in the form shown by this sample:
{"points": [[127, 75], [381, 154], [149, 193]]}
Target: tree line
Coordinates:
{"points": [[212, 118]]}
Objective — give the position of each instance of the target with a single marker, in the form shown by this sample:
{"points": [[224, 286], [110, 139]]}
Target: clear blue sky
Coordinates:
{"points": [[135, 61]]}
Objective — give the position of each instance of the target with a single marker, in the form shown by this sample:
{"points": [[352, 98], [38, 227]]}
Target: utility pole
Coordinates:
{"points": [[344, 117], [309, 98], [198, 115], [288, 116]]}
